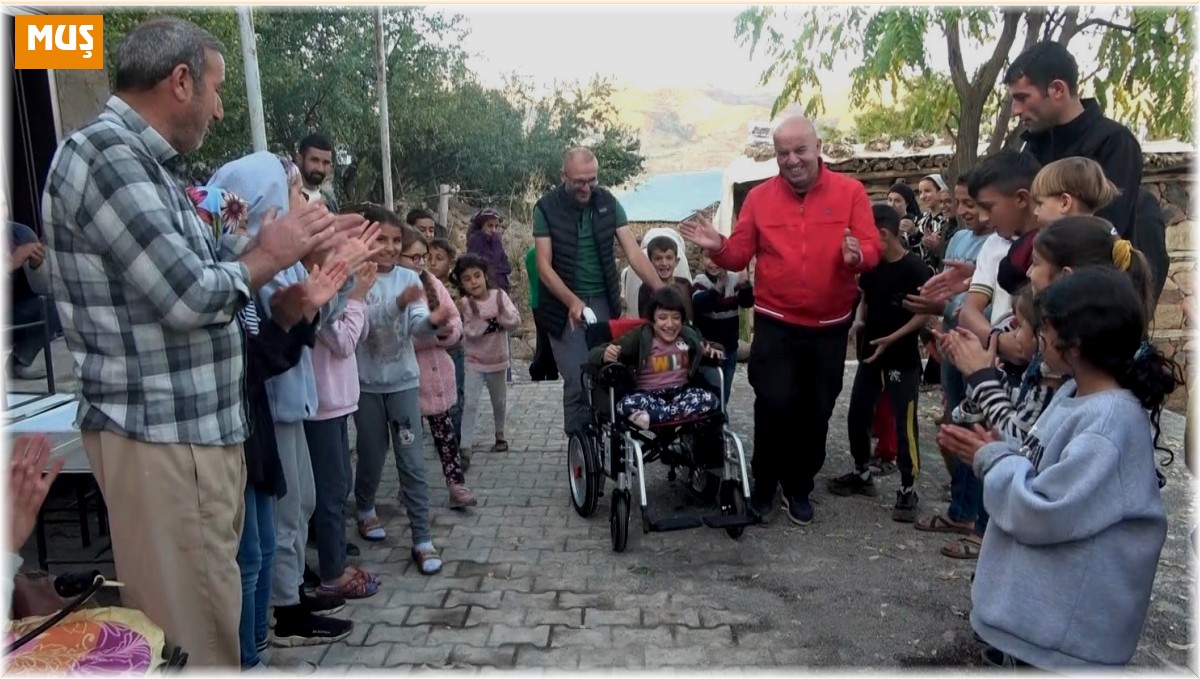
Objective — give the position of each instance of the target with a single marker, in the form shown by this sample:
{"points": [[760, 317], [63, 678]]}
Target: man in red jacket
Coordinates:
{"points": [[812, 232]]}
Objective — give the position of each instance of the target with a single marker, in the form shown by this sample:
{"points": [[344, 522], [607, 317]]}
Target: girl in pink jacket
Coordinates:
{"points": [[336, 371], [488, 315], [438, 390]]}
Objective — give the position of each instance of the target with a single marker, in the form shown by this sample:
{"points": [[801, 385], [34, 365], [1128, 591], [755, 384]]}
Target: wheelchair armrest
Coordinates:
{"points": [[612, 375]]}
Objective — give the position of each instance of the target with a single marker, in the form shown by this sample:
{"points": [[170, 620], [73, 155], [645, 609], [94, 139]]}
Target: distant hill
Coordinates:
{"points": [[685, 130]]}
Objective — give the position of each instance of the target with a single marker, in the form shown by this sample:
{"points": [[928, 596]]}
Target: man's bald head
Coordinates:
{"points": [[580, 172], [792, 126], [798, 152], [578, 155]]}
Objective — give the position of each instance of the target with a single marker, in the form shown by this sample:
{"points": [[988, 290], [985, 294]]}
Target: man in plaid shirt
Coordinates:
{"points": [[146, 309]]}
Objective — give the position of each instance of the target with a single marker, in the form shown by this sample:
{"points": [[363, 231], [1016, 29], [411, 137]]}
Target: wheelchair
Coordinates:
{"points": [[612, 447]]}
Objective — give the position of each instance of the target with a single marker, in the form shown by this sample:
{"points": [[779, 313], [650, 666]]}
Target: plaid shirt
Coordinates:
{"points": [[145, 302]]}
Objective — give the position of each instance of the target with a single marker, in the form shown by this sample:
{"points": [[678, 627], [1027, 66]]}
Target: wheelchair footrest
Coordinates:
{"points": [[674, 523], [728, 520]]}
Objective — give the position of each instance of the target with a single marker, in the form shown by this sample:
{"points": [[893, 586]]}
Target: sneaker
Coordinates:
{"points": [[305, 629], [25, 372], [321, 604], [965, 416], [460, 496], [853, 483], [905, 510], [799, 510]]}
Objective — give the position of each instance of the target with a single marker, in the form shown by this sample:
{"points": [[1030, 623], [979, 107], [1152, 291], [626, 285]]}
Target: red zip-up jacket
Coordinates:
{"points": [[801, 277]]}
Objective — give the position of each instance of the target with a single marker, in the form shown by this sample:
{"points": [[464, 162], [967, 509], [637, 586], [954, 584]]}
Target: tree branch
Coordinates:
{"points": [[985, 77], [1106, 23], [958, 72], [1070, 25]]}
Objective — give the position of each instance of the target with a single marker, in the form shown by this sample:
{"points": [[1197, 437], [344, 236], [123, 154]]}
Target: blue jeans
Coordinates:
{"points": [[255, 558], [728, 366], [965, 503]]}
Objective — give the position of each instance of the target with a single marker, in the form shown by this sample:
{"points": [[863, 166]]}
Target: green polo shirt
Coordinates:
{"points": [[589, 276]]}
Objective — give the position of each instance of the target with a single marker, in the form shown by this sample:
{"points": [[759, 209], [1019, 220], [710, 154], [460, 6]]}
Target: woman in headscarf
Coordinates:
{"points": [[484, 238], [271, 183]]}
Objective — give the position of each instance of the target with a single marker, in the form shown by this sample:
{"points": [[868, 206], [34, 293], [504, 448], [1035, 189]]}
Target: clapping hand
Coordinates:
{"points": [[322, 286], [291, 237], [365, 277], [411, 294], [964, 442], [851, 249], [965, 351], [439, 316], [954, 279]]}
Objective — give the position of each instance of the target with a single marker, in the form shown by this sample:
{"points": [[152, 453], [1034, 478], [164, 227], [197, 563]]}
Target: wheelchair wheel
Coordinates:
{"points": [[702, 485], [733, 503], [618, 520], [583, 474]]}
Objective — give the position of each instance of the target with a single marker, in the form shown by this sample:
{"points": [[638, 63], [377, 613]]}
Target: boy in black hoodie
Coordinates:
{"points": [[717, 298]]}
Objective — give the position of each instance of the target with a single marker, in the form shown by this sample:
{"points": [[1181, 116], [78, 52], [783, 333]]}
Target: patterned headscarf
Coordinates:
{"points": [[226, 213]]}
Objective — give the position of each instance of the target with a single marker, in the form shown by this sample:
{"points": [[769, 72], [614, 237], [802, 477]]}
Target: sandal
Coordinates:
{"points": [[361, 585], [941, 523], [965, 548], [428, 561], [371, 529], [882, 467], [500, 447]]}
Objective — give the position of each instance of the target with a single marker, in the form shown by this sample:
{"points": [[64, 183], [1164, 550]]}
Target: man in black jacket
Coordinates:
{"points": [[1043, 82], [574, 226]]}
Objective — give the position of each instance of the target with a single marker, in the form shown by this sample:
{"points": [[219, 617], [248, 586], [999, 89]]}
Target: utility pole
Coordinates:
{"points": [[258, 128], [385, 133]]}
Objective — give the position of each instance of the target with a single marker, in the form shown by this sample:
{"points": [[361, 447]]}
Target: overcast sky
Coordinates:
{"points": [[649, 47], [690, 46]]}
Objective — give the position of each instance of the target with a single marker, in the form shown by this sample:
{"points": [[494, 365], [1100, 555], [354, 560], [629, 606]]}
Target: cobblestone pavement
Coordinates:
{"points": [[529, 584]]}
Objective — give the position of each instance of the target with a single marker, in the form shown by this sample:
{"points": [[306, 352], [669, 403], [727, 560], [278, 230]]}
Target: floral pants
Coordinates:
{"points": [[446, 445], [671, 404]]}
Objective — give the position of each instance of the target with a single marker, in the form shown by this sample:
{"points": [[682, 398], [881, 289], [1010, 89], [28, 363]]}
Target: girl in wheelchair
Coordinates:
{"points": [[664, 355]]}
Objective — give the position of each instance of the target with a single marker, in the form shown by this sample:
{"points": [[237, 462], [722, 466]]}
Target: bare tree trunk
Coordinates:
{"points": [[973, 92]]}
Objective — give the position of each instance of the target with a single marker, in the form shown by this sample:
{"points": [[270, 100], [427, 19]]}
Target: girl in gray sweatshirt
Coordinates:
{"points": [[1077, 521]]}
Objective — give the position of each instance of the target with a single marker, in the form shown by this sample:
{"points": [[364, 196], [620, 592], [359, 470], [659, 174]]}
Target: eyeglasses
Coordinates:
{"points": [[580, 183], [415, 259]]}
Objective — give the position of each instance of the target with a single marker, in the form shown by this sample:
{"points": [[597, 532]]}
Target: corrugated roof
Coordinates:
{"points": [[672, 197]]}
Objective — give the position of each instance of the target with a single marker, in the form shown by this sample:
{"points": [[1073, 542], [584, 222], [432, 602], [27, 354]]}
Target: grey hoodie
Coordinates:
{"points": [[1077, 525]]}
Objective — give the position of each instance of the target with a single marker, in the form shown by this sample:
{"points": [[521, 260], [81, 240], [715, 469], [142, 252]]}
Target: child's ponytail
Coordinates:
{"points": [[1152, 377], [1098, 313]]}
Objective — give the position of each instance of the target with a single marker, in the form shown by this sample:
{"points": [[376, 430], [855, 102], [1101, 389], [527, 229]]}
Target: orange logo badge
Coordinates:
{"points": [[59, 41]]}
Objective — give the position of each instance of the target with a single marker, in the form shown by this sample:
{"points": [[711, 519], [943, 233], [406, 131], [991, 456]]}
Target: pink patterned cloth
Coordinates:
{"points": [[89, 641], [438, 390]]}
